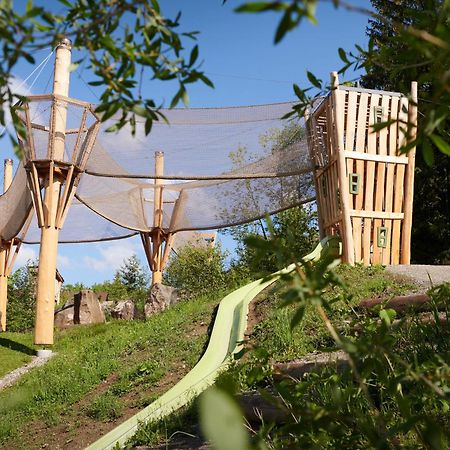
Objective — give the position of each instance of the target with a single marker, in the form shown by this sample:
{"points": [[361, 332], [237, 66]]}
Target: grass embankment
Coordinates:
{"points": [[272, 334], [101, 375], [15, 351]]}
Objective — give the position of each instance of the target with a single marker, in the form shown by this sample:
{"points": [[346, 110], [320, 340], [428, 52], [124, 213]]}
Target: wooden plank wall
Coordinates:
{"points": [[378, 205]]}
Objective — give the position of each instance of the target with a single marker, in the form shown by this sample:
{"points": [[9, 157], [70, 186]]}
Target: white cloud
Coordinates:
{"points": [[26, 253], [63, 261], [110, 256]]}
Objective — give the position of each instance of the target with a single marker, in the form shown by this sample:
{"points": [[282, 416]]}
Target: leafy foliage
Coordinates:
{"points": [[293, 231], [418, 44], [123, 42], [432, 188], [395, 391], [22, 298], [197, 270]]}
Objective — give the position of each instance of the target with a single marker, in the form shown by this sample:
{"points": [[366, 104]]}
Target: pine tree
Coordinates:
{"points": [[132, 275]]}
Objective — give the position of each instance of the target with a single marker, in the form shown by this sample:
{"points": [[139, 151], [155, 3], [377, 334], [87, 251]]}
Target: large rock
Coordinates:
{"points": [[83, 309], [64, 316], [124, 310], [87, 308], [161, 297]]}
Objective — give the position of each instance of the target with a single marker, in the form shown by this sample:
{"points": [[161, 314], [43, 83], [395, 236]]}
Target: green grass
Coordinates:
{"points": [[15, 351], [274, 333], [138, 354], [278, 343]]}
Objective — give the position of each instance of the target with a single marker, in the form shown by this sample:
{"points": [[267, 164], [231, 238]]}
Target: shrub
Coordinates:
{"points": [[22, 298], [197, 270]]}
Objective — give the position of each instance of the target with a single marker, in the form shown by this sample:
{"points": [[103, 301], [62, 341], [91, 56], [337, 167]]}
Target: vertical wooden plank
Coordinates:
{"points": [[380, 189], [370, 179], [360, 141], [338, 110], [390, 171], [405, 255]]}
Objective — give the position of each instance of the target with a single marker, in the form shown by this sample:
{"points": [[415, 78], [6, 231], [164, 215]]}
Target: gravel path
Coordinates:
{"points": [[12, 377], [421, 274]]}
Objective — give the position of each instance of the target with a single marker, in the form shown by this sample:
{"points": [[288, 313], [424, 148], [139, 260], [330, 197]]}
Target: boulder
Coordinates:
{"points": [[161, 297], [84, 308], [124, 310], [87, 308], [107, 306], [64, 316]]}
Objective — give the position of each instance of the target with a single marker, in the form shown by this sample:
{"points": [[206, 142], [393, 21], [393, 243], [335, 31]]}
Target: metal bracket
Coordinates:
{"points": [[338, 198], [382, 237], [353, 180], [378, 112]]}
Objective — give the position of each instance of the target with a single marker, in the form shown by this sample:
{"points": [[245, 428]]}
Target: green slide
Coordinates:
{"points": [[226, 338]]}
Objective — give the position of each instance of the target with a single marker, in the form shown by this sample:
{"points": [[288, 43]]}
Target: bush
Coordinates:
{"points": [[197, 270], [21, 298]]}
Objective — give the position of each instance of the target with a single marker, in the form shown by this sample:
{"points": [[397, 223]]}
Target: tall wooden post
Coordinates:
{"points": [[7, 179], [347, 235], [45, 295], [158, 218], [405, 255]]}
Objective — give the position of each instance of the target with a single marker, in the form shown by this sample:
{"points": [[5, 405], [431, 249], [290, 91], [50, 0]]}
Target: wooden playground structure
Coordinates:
{"points": [[364, 189]]}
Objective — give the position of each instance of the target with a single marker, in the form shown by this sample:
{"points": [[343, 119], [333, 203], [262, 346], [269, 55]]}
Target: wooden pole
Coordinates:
{"points": [[7, 180], [347, 235], [45, 295], [157, 218], [405, 255]]}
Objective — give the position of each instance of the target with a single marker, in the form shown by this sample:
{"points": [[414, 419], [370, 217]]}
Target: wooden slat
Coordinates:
{"points": [[390, 171], [370, 180], [405, 255], [380, 189], [360, 143], [376, 214], [377, 158]]}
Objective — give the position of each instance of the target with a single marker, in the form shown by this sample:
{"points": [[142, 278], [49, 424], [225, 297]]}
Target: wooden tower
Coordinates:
{"points": [[364, 186]]}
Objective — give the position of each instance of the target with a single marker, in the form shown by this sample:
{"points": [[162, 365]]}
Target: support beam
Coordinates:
{"points": [[157, 240], [7, 180], [405, 255], [45, 295], [347, 234]]}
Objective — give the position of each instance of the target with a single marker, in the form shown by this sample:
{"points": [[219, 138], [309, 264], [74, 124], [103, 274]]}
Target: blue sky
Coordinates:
{"points": [[246, 68]]}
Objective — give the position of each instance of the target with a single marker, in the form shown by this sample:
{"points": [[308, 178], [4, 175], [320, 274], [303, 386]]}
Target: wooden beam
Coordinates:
{"points": [[405, 256], [45, 293], [338, 107], [158, 218]]}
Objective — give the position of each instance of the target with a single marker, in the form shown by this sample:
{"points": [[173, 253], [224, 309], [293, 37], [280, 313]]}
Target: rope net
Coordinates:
{"points": [[222, 167]]}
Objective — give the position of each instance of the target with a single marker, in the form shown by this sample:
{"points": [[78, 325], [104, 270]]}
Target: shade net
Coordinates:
{"points": [[222, 167]]}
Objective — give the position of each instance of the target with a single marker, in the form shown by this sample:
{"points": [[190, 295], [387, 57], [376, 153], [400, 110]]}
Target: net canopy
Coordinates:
{"points": [[222, 167]]}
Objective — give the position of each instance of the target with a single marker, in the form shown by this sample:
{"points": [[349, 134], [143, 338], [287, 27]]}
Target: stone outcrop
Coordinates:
{"points": [[83, 309], [161, 297], [124, 310]]}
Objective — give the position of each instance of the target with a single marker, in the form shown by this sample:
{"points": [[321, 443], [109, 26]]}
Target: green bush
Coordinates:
{"points": [[197, 270], [21, 298]]}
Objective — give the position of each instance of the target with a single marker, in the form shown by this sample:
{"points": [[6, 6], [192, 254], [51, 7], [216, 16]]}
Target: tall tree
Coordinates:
{"points": [[393, 67], [132, 275]]}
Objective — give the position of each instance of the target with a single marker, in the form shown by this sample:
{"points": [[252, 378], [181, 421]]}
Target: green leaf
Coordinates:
{"points": [[148, 125], [442, 145], [313, 80], [284, 26], [343, 55], [194, 56], [387, 315], [222, 421], [255, 7], [428, 153]]}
